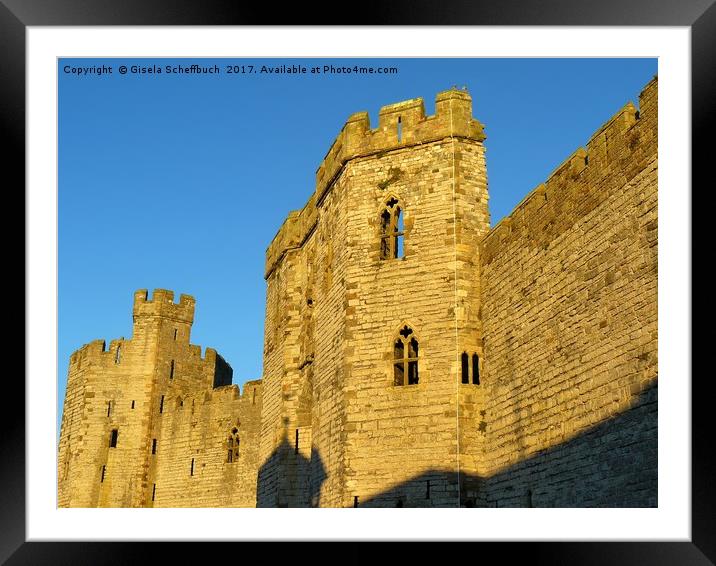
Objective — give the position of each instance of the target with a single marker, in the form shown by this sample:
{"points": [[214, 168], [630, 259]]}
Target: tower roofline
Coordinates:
{"points": [[400, 125], [162, 305]]}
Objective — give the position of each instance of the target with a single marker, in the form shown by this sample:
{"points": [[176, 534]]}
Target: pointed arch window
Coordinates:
{"points": [[405, 358], [232, 445], [392, 231]]}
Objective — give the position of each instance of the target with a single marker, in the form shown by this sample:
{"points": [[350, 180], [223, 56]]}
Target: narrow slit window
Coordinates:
{"points": [[132, 404], [161, 404], [154, 491], [296, 443], [191, 471], [104, 469], [118, 355], [355, 501], [475, 369], [154, 445], [405, 358], [392, 231], [400, 130], [109, 408], [175, 333], [465, 367], [171, 370], [113, 438]]}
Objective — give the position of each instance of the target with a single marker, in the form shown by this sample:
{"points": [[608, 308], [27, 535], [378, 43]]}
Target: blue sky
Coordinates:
{"points": [[181, 181]]}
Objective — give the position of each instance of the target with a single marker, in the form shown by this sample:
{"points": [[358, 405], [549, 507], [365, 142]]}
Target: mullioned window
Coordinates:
{"points": [[405, 358], [392, 231]]}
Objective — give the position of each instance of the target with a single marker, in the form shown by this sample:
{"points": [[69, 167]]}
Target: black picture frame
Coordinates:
{"points": [[699, 15]]}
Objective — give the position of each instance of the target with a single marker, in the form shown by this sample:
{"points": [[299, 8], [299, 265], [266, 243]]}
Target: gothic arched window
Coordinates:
{"points": [[233, 445], [391, 231], [405, 358]]}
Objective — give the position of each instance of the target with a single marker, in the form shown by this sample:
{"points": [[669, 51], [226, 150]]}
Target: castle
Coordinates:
{"points": [[413, 356]]}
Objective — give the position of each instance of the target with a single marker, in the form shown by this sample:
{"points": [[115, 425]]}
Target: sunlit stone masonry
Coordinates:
{"points": [[413, 356]]}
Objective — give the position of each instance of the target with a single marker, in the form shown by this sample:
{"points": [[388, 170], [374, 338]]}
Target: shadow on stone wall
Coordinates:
{"points": [[289, 479], [613, 464]]}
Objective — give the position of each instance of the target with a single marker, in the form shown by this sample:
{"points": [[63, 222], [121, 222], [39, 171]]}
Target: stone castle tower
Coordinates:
{"points": [[152, 411], [413, 356]]}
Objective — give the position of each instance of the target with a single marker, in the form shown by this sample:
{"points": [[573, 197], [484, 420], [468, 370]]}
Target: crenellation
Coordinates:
{"points": [[356, 139], [162, 305], [413, 355], [586, 169], [148, 389], [453, 117]]}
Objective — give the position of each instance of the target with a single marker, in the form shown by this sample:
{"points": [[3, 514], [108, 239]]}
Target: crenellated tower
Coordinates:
{"points": [[118, 400], [373, 295]]}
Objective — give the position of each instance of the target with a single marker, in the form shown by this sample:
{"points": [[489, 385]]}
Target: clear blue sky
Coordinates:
{"points": [[181, 181]]}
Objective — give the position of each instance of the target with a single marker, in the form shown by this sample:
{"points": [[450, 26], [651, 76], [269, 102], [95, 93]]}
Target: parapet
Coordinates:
{"points": [[162, 305], [293, 232], [400, 125], [614, 154], [96, 352]]}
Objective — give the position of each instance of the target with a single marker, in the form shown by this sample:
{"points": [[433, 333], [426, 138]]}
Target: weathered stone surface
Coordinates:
{"points": [[169, 405], [555, 309]]}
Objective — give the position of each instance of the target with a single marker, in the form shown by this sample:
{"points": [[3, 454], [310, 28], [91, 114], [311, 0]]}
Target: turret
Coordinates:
{"points": [[160, 314], [162, 305]]}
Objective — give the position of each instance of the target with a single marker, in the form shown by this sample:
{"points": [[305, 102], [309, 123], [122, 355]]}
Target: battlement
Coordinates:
{"points": [[162, 305], [399, 125], [402, 124], [614, 153], [96, 352], [293, 232]]}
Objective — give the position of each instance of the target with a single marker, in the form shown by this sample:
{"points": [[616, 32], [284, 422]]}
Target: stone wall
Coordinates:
{"points": [[329, 255], [569, 310], [196, 434], [121, 399], [554, 309]]}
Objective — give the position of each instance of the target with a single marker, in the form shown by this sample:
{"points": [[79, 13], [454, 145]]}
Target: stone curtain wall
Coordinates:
{"points": [[197, 429], [569, 306]]}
